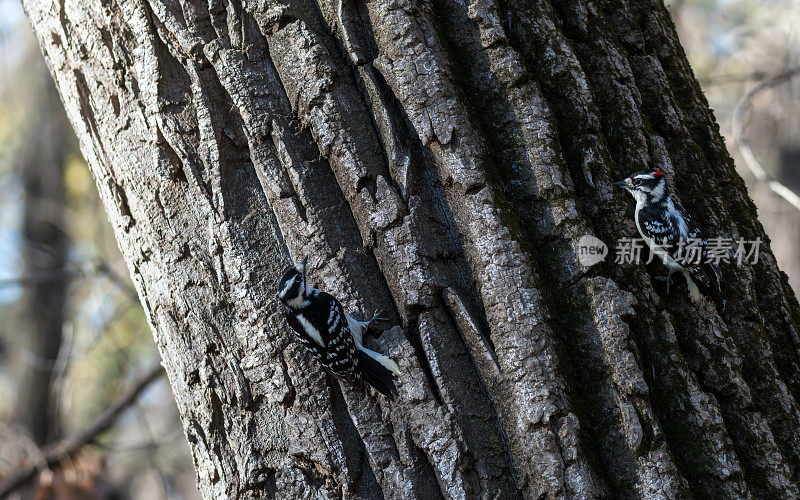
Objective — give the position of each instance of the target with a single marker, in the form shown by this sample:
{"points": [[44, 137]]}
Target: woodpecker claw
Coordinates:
{"points": [[377, 318], [666, 278]]}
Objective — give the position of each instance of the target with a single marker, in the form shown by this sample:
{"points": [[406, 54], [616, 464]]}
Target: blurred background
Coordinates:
{"points": [[75, 349], [73, 338]]}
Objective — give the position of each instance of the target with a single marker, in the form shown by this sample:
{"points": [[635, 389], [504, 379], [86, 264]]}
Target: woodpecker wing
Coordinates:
{"points": [[659, 227], [705, 273], [685, 224], [322, 328], [673, 229], [341, 355]]}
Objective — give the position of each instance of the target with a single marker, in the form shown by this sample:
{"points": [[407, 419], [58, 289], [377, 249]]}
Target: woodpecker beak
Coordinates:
{"points": [[626, 184], [303, 266]]}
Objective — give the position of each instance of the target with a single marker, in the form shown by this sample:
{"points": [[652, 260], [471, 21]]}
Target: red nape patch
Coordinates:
{"points": [[658, 172]]}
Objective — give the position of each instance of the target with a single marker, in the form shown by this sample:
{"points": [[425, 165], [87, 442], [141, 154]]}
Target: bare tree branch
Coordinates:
{"points": [[68, 447], [84, 269], [35, 279], [100, 266], [744, 146], [731, 78]]}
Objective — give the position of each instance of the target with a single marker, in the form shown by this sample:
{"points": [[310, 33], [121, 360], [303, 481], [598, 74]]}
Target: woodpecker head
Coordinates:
{"points": [[293, 289], [645, 186]]}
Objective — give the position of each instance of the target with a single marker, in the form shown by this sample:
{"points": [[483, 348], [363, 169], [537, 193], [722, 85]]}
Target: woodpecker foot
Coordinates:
{"points": [[377, 318], [667, 278]]}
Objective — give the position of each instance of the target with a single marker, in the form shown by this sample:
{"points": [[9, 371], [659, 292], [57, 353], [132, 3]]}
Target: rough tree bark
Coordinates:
{"points": [[439, 160]]}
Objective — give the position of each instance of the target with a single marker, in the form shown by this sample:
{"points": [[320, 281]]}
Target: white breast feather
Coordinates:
{"points": [[310, 330], [356, 329]]}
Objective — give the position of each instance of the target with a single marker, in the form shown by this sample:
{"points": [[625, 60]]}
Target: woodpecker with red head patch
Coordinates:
{"points": [[671, 233], [331, 335]]}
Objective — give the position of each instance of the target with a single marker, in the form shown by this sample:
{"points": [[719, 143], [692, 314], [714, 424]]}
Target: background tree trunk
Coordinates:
{"points": [[439, 160], [40, 162]]}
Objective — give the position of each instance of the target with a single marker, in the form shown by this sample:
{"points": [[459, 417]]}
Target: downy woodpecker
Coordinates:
{"points": [[331, 335], [670, 232]]}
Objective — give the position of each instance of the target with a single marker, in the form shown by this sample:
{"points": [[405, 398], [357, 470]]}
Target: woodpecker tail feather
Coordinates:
{"points": [[694, 291], [707, 277], [379, 371], [715, 277]]}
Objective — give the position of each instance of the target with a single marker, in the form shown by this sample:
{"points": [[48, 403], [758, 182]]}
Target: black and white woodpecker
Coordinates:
{"points": [[671, 233], [331, 335]]}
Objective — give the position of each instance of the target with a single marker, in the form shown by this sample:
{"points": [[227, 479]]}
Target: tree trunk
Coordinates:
{"points": [[439, 160]]}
